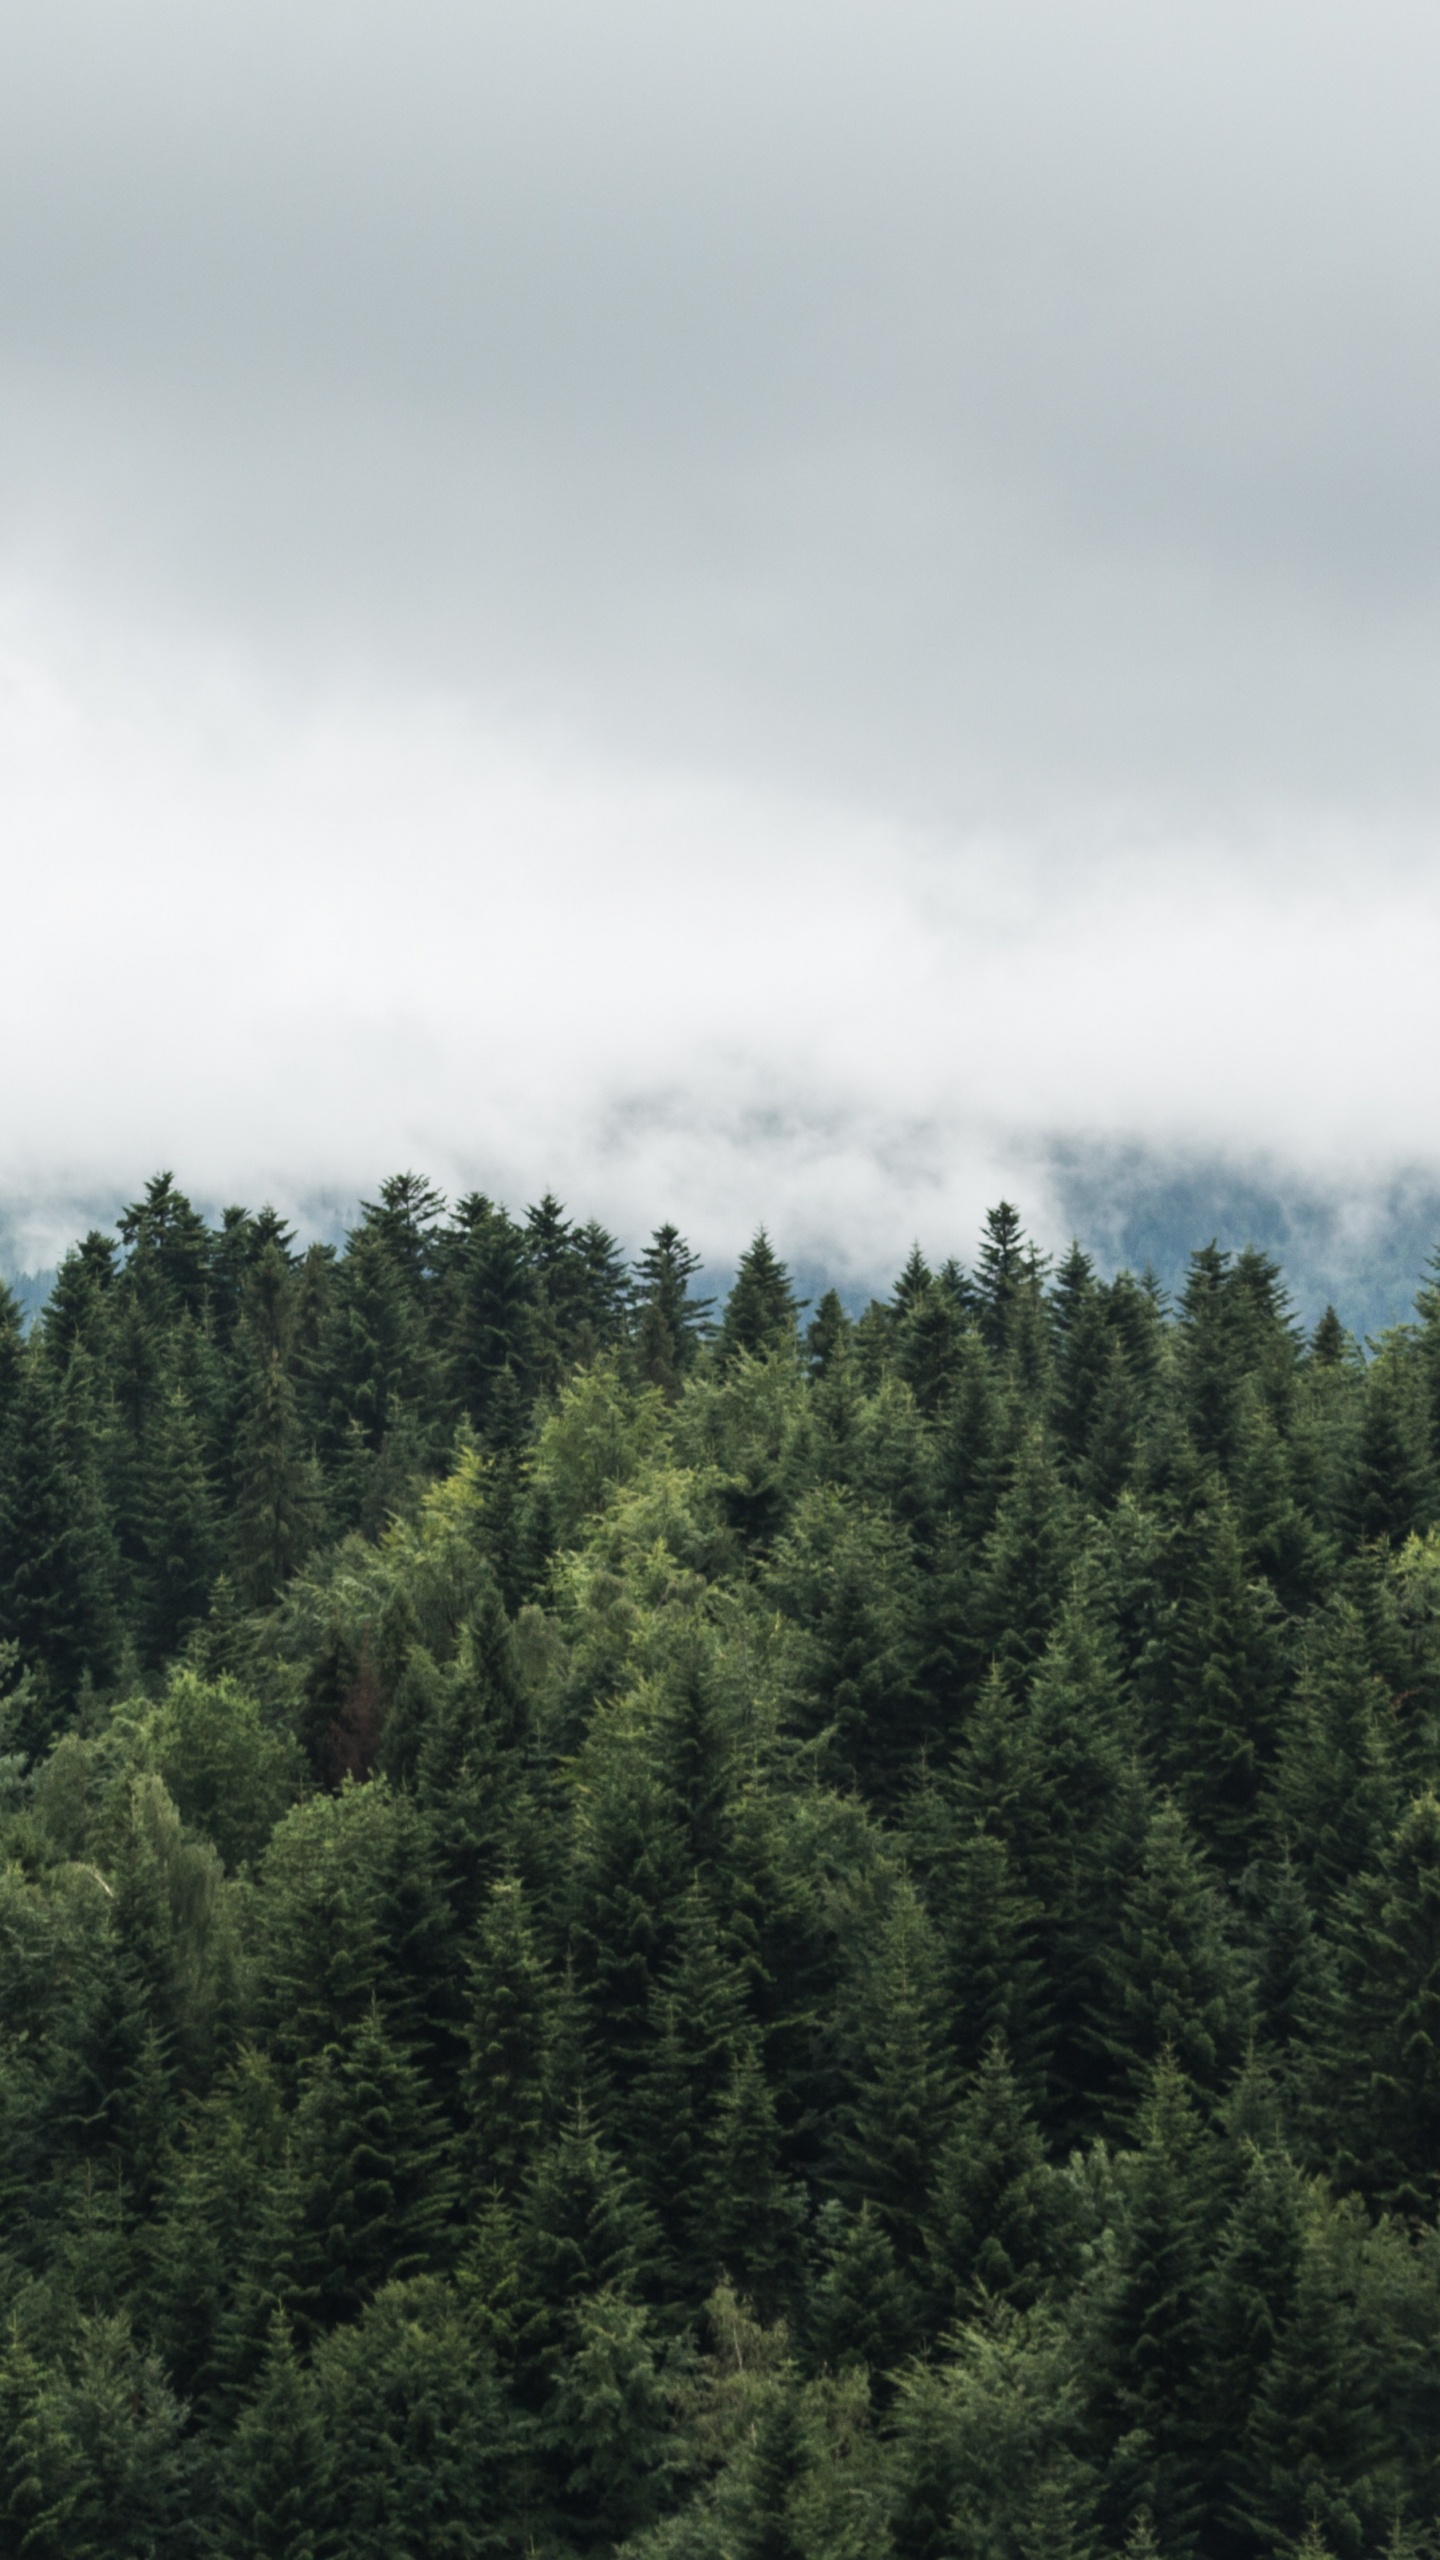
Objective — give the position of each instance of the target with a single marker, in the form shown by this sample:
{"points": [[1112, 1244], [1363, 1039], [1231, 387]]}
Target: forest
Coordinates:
{"points": [[712, 1931]]}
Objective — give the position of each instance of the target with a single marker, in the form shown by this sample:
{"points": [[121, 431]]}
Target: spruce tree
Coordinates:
{"points": [[862, 2307], [272, 2483], [1388, 1928], [1146, 2374], [902, 2077], [1334, 1796], [670, 1323], [1025, 1564], [373, 2182], [1225, 1670], [997, 2218], [508, 2032], [762, 1309], [1173, 1983], [178, 1541]]}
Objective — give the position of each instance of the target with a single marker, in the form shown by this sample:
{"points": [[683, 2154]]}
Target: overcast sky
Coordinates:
{"points": [[788, 611]]}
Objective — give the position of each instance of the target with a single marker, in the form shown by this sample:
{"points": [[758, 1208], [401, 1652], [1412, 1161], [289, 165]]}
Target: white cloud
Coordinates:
{"points": [[283, 946], [779, 611]]}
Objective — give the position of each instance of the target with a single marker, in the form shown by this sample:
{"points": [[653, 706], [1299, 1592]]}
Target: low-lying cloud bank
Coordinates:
{"points": [[287, 947], [790, 611]]}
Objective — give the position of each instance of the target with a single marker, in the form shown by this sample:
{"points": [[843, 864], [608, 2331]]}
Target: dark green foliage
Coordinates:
{"points": [[617, 1935], [670, 1324], [1173, 1986], [761, 1309], [997, 2221]]}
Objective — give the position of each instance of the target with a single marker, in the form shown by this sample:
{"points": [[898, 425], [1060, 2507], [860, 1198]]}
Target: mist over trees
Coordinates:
{"points": [[713, 1932]]}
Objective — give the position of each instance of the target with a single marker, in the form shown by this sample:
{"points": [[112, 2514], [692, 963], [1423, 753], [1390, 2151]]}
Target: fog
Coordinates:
{"points": [[795, 613]]}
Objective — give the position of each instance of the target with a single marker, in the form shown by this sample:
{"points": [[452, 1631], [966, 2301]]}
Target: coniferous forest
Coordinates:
{"points": [[720, 1932]]}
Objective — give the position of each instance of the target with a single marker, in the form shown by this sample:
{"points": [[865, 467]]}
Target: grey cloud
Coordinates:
{"points": [[808, 610], [949, 402]]}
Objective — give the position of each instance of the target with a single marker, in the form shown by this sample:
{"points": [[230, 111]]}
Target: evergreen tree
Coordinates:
{"points": [[997, 2219], [761, 1310], [1393, 1487], [1225, 1660], [1146, 2372], [278, 1503], [1173, 1984], [487, 1286], [827, 1336], [863, 2308], [1334, 1796], [1309, 2449], [273, 2481], [508, 2032], [372, 2184], [671, 1324], [176, 1529], [902, 2080], [56, 1595], [1026, 1562], [1389, 1932]]}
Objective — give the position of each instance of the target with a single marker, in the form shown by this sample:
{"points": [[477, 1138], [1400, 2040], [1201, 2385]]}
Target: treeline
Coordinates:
{"points": [[726, 1933]]}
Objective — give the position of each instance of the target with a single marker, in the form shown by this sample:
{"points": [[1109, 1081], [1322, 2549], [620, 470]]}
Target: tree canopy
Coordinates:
{"points": [[712, 1937]]}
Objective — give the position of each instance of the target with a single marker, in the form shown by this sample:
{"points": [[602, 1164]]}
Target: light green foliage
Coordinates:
{"points": [[231, 1776]]}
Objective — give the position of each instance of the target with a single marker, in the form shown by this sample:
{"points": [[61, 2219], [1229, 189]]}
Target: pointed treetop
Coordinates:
{"points": [[761, 1309]]}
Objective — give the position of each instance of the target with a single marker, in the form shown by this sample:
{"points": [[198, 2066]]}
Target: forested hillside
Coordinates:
{"points": [[720, 1932]]}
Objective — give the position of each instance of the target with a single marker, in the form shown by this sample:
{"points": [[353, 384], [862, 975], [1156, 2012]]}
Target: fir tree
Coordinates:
{"points": [[273, 2479], [372, 2181], [997, 2216], [671, 1325], [508, 2032], [761, 1310], [1173, 1984]]}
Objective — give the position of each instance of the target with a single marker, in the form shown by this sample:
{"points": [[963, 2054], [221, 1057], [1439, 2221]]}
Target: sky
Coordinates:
{"points": [[790, 612]]}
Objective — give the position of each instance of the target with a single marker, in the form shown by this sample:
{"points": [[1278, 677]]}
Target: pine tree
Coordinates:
{"points": [[929, 1335], [698, 2022], [417, 2445], [1026, 1563], [1173, 1984], [744, 2211], [56, 1597], [1388, 1928], [1294, 1983], [584, 2230], [997, 2214], [175, 1516], [761, 1310], [487, 1286], [373, 2181], [1312, 2440], [272, 2482], [862, 2307], [508, 2031], [1146, 2374], [1329, 1341], [827, 1336], [1247, 2304], [1393, 1487], [1003, 1269], [990, 1928], [41, 2476], [278, 1502], [1116, 1431], [1334, 1797], [902, 2076], [1225, 1669], [671, 1324]]}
